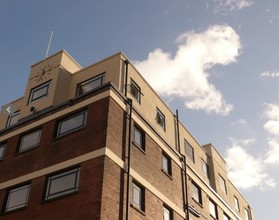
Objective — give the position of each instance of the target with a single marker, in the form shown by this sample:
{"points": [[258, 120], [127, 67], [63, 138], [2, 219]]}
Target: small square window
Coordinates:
{"points": [[2, 151], [39, 92], [166, 160], [135, 91], [138, 196], [17, 198], [30, 140], [139, 138], [222, 183], [196, 193], [71, 123], [205, 168], [62, 184], [213, 209], [160, 119], [167, 213], [189, 150], [236, 204], [13, 119], [90, 84]]}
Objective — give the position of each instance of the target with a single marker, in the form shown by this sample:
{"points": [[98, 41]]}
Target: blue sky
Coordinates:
{"points": [[214, 60]]}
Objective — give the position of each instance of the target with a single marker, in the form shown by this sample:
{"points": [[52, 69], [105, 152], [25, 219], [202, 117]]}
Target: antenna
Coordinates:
{"points": [[49, 44]]}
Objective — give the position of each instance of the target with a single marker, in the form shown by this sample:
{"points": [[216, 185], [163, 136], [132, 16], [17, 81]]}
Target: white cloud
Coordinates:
{"points": [[272, 127], [186, 74], [244, 170], [269, 74], [240, 121], [231, 5]]}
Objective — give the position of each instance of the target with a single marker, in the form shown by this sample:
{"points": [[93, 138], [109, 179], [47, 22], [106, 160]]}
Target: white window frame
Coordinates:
{"points": [[205, 168], [139, 137], [213, 209], [236, 203], [138, 196], [166, 164], [196, 193], [160, 119]]}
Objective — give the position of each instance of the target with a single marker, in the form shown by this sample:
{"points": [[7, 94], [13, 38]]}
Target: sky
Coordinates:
{"points": [[213, 60]]}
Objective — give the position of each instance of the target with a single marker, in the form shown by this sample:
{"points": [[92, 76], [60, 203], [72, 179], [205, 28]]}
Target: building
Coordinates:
{"points": [[99, 143]]}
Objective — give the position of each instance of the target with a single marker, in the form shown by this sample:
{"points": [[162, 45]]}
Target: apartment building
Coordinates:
{"points": [[99, 143]]}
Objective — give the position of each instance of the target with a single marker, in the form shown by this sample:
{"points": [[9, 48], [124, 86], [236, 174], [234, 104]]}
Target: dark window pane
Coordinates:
{"points": [[62, 184], [17, 198], [139, 138], [138, 196], [71, 124], [2, 151], [189, 150], [160, 118], [13, 119], [135, 91], [39, 92], [90, 84], [196, 193], [30, 140]]}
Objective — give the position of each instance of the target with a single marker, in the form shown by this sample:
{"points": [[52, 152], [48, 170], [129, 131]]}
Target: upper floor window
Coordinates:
{"points": [[39, 92], [196, 193], [138, 196], [246, 214], [213, 209], [166, 163], [2, 151], [139, 138], [30, 140], [189, 150], [135, 91], [62, 184], [167, 213], [222, 183], [17, 198], [236, 204], [205, 168], [90, 84], [225, 217], [160, 119], [13, 119], [71, 123]]}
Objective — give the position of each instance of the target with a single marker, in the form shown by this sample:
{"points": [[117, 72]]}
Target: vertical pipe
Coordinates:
{"points": [[129, 102], [184, 173], [126, 77]]}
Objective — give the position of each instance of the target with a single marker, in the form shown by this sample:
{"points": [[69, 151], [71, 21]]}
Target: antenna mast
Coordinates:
{"points": [[49, 44]]}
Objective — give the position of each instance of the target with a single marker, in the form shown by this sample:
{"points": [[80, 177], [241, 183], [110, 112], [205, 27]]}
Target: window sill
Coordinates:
{"points": [[137, 146], [58, 197], [27, 150], [138, 209], [166, 173]]}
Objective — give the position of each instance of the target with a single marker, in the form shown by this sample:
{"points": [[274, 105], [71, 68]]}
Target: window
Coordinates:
{"points": [[17, 198], [135, 91], [189, 150], [30, 140], [39, 92], [160, 118], [139, 138], [225, 217], [166, 164], [222, 183], [205, 168], [236, 205], [72, 123], [213, 209], [196, 193], [90, 84], [246, 214], [138, 196], [2, 151], [12, 119], [62, 184], [167, 213]]}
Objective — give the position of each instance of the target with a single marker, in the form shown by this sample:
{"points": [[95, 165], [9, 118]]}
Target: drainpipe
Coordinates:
{"points": [[183, 173], [129, 102], [126, 77]]}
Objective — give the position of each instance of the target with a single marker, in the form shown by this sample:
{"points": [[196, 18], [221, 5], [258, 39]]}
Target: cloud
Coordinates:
{"points": [[231, 5], [269, 74], [240, 121], [271, 126], [245, 170], [186, 74]]}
